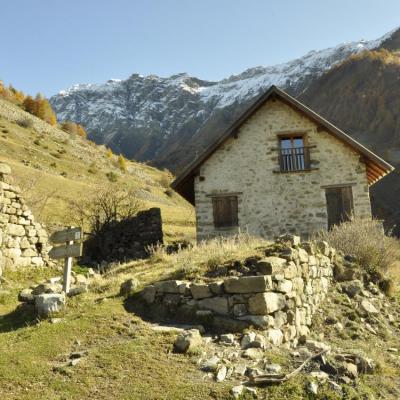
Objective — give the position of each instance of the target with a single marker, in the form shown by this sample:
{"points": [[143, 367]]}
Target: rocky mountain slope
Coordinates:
{"points": [[170, 120], [150, 118]]}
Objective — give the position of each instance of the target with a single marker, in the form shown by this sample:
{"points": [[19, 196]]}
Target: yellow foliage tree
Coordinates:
{"points": [[109, 153]]}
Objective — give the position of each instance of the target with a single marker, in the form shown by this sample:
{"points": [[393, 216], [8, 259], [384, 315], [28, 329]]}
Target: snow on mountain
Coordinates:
{"points": [[140, 115]]}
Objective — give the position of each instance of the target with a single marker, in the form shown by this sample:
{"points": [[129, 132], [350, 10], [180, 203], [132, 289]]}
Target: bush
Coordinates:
{"points": [[112, 176], [365, 239], [25, 123], [122, 163], [104, 207]]}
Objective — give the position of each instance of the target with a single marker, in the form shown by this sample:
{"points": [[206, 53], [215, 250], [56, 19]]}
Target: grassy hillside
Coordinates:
{"points": [[127, 358], [54, 168]]}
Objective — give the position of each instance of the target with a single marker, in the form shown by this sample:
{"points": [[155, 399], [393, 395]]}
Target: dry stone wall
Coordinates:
{"points": [[281, 298], [127, 239], [23, 241]]}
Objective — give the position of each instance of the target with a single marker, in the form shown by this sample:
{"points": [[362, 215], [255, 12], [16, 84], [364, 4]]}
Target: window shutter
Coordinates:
{"points": [[225, 211]]}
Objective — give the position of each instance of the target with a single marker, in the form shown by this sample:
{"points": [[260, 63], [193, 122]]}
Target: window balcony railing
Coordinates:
{"points": [[294, 159]]}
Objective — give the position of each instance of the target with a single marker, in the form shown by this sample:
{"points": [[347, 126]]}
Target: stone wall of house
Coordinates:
{"points": [[23, 241], [269, 202], [280, 298], [127, 239]]}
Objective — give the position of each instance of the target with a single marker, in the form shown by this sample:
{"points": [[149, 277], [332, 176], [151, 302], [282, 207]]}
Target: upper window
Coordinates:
{"points": [[293, 153], [225, 211]]}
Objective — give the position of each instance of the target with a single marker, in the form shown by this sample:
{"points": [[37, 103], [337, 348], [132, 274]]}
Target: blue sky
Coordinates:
{"points": [[49, 45]]}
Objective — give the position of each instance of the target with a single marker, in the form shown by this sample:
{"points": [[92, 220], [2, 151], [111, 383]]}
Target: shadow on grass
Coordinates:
{"points": [[24, 315]]}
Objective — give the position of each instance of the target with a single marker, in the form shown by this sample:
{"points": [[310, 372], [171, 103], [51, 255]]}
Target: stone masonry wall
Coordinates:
{"points": [[271, 203], [127, 239], [23, 241], [290, 283]]}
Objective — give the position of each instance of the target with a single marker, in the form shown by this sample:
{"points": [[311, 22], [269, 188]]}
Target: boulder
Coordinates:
{"points": [[200, 291], [248, 284], [247, 339], [241, 390], [148, 294], [275, 336], [5, 169], [352, 288], [266, 303], [227, 338], [211, 364], [16, 230], [217, 304], [368, 307], [221, 373], [253, 353], [170, 286], [188, 341], [350, 370], [217, 287], [77, 290], [270, 265], [290, 271], [26, 296], [49, 303], [284, 286], [259, 321], [288, 238], [127, 288]]}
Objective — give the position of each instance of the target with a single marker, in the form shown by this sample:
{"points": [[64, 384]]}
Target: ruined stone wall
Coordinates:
{"points": [[23, 241], [280, 298], [126, 240], [271, 203]]}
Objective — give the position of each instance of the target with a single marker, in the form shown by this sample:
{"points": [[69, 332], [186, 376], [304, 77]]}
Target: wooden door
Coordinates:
{"points": [[339, 203]]}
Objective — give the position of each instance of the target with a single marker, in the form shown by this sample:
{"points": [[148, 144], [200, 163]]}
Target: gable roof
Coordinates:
{"points": [[376, 167]]}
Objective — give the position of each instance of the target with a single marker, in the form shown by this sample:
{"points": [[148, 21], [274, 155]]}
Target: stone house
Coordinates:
{"points": [[280, 167]]}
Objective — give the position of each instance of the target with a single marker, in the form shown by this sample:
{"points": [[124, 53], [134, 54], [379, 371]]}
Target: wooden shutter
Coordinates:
{"points": [[339, 202], [225, 211]]}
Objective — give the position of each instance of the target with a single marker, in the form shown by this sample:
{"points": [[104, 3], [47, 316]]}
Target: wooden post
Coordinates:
{"points": [[67, 269]]}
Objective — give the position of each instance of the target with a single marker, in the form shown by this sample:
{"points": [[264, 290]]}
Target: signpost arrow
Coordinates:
{"points": [[67, 251]]}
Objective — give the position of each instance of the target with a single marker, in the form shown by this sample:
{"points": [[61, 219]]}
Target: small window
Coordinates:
{"points": [[225, 211], [293, 154]]}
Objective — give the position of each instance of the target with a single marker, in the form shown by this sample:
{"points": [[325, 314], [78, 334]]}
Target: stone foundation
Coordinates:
{"points": [[281, 298], [23, 241]]}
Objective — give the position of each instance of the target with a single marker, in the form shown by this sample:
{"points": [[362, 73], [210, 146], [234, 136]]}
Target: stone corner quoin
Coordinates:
{"points": [[23, 242]]}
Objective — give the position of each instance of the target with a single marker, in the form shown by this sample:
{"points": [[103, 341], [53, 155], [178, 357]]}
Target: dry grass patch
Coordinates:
{"points": [[207, 254]]}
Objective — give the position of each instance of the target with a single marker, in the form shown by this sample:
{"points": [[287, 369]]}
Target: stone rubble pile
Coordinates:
{"points": [[242, 357], [48, 297], [289, 284], [23, 242]]}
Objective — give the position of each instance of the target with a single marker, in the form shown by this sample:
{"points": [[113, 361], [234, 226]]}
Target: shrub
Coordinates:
{"points": [[365, 239], [109, 153], [165, 181], [122, 163], [25, 122], [112, 176], [104, 207]]}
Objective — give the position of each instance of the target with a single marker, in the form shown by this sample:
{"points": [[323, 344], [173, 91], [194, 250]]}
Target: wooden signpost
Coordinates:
{"points": [[68, 250]]}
